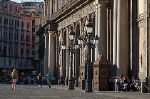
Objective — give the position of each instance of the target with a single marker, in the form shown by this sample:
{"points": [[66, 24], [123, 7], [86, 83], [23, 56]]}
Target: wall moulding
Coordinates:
{"points": [[88, 9]]}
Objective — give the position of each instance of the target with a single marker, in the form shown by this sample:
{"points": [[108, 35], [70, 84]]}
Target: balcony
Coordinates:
{"points": [[11, 26], [28, 29], [23, 42], [17, 28], [23, 29]]}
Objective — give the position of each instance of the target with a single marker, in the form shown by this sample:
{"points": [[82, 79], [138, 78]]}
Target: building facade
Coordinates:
{"points": [[36, 11], [122, 27], [15, 38]]}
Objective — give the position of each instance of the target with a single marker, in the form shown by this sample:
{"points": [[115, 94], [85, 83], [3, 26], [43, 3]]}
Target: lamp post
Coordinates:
{"points": [[73, 45], [90, 40]]}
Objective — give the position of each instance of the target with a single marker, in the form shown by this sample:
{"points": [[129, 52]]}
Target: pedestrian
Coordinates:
{"points": [[40, 79], [62, 80], [49, 79], [14, 78]]}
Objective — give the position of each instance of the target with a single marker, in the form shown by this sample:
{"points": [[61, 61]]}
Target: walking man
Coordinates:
{"points": [[49, 79]]}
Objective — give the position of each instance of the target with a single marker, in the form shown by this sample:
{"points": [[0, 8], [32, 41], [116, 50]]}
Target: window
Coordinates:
{"points": [[4, 50], [10, 7], [22, 25], [28, 39], [1, 36], [15, 50], [33, 22], [16, 37], [33, 29], [16, 24], [0, 20], [17, 9], [10, 37], [5, 35], [33, 39], [10, 51], [5, 21], [27, 63], [21, 52], [27, 52], [1, 50], [22, 37], [12, 23], [9, 61], [28, 25]]}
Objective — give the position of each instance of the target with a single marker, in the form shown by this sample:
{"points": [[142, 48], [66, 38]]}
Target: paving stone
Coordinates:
{"points": [[58, 92]]}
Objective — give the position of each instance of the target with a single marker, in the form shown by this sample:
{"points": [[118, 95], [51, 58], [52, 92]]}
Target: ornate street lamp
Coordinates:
{"points": [[73, 45], [90, 40]]}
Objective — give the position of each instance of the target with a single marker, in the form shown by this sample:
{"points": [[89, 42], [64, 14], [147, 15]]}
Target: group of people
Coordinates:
{"points": [[49, 78], [129, 85], [14, 79]]}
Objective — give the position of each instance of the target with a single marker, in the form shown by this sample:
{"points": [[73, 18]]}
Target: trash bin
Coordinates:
{"points": [[83, 85]]}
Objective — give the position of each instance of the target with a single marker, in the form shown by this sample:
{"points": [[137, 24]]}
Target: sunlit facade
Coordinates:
{"points": [[123, 28], [15, 38]]}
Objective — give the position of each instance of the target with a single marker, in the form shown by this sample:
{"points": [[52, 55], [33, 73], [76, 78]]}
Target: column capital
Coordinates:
{"points": [[46, 34], [51, 32], [99, 3]]}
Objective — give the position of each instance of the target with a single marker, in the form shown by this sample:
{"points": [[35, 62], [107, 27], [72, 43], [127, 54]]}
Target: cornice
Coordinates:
{"points": [[69, 9]]}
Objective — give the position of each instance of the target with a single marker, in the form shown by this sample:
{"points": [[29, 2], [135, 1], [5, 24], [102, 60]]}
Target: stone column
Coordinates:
{"points": [[67, 56], [101, 24], [60, 56], [114, 74], [122, 38], [46, 53], [96, 32], [115, 32], [51, 54]]}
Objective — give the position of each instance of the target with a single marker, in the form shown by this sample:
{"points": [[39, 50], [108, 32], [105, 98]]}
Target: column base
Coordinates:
{"points": [[88, 86], [76, 82], [66, 81], [88, 90], [70, 84]]}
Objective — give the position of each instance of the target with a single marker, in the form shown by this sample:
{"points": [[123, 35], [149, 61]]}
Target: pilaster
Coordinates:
{"points": [[101, 26], [115, 32], [122, 38], [51, 52], [46, 53]]}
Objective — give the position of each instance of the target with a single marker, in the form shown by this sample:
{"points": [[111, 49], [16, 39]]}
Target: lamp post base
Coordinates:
{"points": [[88, 86], [70, 84], [88, 90]]}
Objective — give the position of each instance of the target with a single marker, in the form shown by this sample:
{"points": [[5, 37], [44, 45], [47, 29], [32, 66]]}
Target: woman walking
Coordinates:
{"points": [[14, 76]]}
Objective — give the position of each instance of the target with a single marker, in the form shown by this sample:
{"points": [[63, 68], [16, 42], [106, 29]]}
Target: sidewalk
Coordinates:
{"points": [[127, 95]]}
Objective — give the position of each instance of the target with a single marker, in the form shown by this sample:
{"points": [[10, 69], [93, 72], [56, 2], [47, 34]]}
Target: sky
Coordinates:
{"points": [[19, 1]]}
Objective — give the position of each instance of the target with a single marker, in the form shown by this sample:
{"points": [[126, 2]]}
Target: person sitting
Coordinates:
{"points": [[125, 85], [137, 84], [121, 82], [132, 85]]}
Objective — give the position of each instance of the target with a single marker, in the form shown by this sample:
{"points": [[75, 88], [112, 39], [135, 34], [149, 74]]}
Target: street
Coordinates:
{"points": [[58, 92]]}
